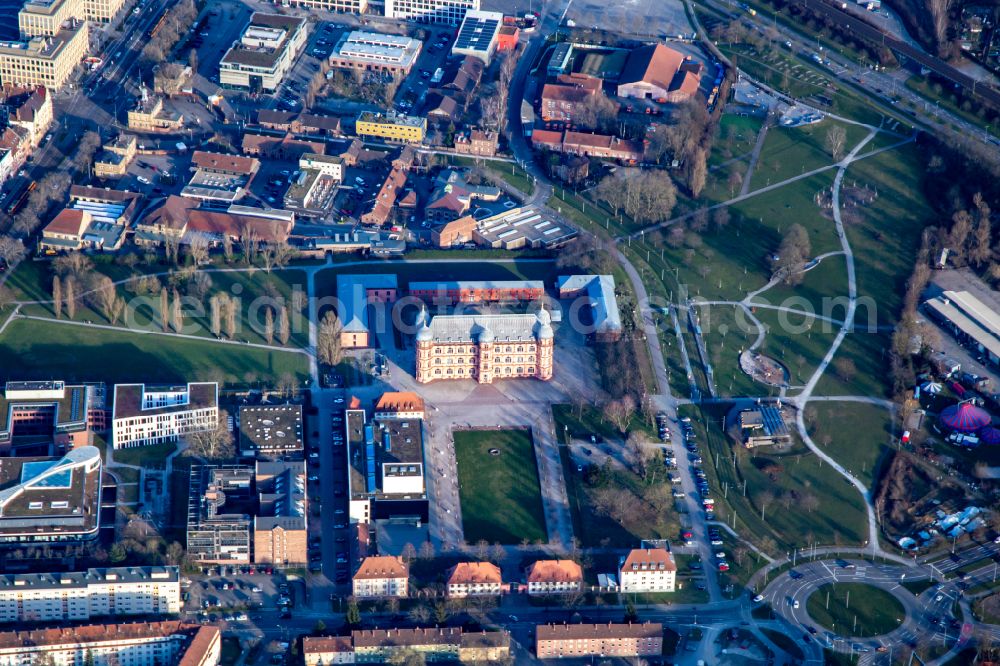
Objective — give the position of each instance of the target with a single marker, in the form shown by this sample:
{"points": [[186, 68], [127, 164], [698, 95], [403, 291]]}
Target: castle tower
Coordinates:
{"points": [[425, 342], [485, 343], [546, 338]]}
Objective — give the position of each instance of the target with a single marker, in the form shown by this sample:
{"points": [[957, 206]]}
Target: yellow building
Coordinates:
{"points": [[114, 159], [44, 60], [149, 116], [46, 17], [102, 11], [391, 127]]}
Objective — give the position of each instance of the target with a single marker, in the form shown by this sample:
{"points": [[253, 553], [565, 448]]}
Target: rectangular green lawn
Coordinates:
{"points": [[32, 349], [500, 494]]}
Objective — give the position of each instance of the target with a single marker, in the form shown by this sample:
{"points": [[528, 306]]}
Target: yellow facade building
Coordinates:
{"points": [[391, 127]]}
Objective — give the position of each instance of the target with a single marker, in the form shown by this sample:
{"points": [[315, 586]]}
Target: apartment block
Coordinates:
{"points": [[84, 595], [144, 415], [270, 431], [474, 579], [554, 577], [447, 12], [386, 646], [575, 641], [280, 530], [381, 577], [139, 644], [648, 570]]}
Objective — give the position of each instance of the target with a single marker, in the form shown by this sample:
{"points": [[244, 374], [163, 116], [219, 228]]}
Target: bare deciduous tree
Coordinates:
{"points": [[215, 443], [328, 347], [836, 139]]}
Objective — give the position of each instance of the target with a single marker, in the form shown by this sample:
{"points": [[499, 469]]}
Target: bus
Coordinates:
{"points": [[19, 198]]}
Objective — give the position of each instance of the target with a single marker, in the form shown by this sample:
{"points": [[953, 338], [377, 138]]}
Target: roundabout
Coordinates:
{"points": [[855, 609]]}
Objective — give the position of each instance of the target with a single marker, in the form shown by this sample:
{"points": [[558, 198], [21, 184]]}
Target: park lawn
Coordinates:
{"points": [[728, 331], [797, 341], [716, 265], [591, 421], [595, 528], [500, 495], [886, 238], [254, 290], [736, 138], [674, 362], [31, 349], [790, 151], [857, 435], [855, 609], [823, 290], [869, 353], [795, 203], [838, 518], [152, 456]]}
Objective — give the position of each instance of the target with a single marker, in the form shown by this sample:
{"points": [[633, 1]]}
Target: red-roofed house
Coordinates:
{"points": [[658, 72], [385, 200], [560, 100], [381, 577], [554, 577], [474, 579], [648, 570], [65, 231]]}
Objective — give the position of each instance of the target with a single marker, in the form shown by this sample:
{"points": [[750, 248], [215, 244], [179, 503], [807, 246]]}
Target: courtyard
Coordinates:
{"points": [[499, 488]]}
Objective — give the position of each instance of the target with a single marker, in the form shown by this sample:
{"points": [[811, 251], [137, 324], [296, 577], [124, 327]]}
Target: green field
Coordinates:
{"points": [[860, 447], [42, 350], [253, 290], [855, 609], [780, 483], [791, 151], [500, 495]]}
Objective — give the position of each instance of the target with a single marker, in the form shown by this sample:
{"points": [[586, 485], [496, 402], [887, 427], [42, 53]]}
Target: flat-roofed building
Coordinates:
{"points": [[385, 468], [485, 347], [375, 52], [270, 431], [327, 165], [354, 294], [968, 319], [474, 579], [599, 290], [280, 527], [68, 414], [218, 513], [386, 646], [345, 6], [83, 595], [45, 17], [381, 577], [521, 228], [448, 12], [554, 577], [764, 425], [392, 127], [138, 644], [477, 291], [399, 405], [143, 415], [220, 177], [576, 641], [265, 53], [478, 35], [49, 500], [45, 59], [648, 570]]}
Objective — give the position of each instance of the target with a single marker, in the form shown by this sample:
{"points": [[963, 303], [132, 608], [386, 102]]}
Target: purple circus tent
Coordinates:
{"points": [[965, 417], [989, 435]]}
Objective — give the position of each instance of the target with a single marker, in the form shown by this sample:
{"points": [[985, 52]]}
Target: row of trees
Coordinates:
{"points": [[53, 187], [176, 22]]}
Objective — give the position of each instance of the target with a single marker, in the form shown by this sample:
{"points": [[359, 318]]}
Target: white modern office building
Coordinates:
{"points": [[143, 415], [449, 12], [265, 53]]}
